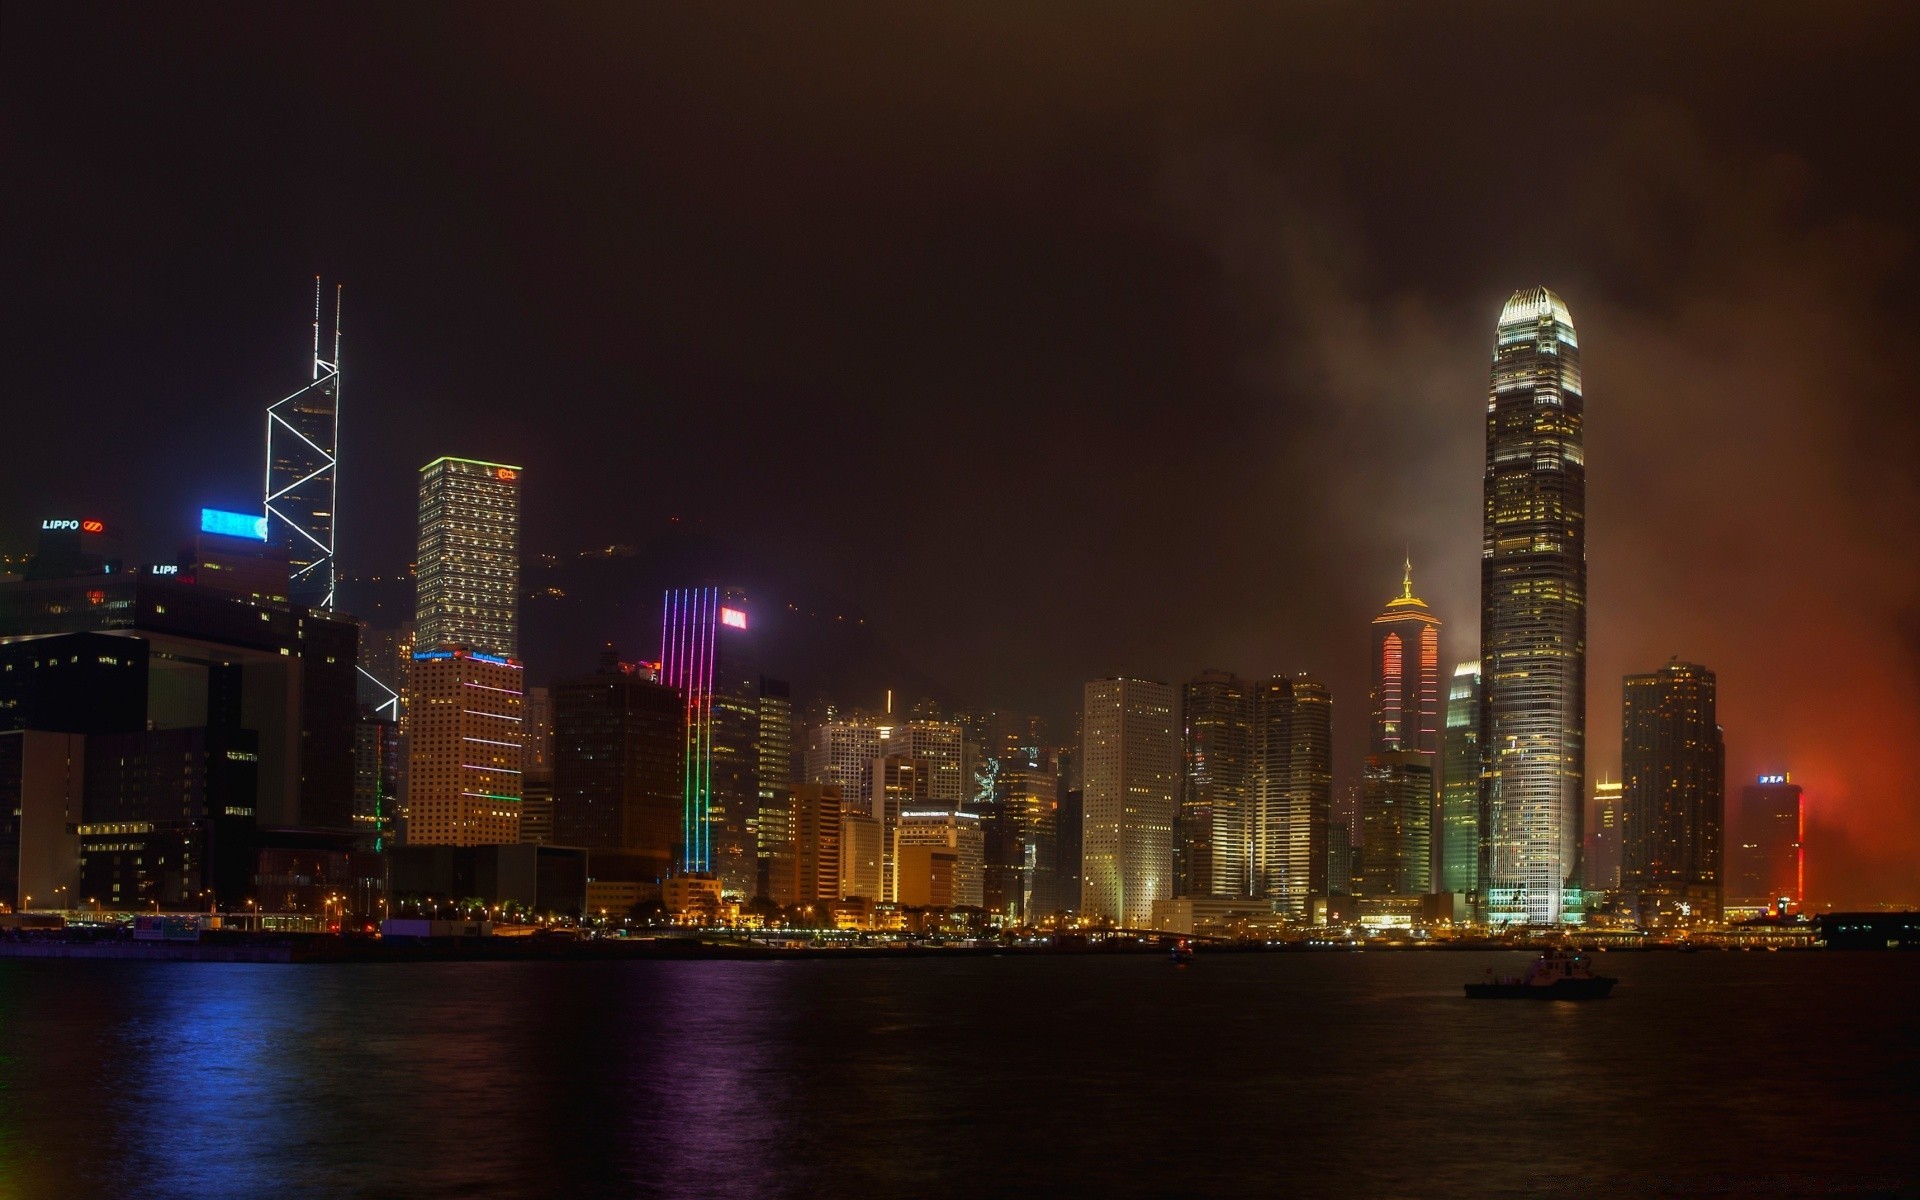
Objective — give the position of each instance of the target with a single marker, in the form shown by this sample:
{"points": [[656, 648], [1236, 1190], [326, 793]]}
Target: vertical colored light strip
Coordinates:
{"points": [[710, 623]]}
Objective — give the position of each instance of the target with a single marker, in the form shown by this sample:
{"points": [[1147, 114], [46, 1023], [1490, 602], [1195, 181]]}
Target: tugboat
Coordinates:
{"points": [[1182, 952], [1555, 975]]}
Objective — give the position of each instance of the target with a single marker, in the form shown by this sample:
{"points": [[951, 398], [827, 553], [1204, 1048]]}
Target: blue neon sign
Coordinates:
{"points": [[233, 524]]}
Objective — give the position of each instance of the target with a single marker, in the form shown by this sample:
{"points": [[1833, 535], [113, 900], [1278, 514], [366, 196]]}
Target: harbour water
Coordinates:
{"points": [[1336, 1074]]}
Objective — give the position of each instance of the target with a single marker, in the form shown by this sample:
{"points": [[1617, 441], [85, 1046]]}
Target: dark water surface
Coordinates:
{"points": [[1349, 1075]]}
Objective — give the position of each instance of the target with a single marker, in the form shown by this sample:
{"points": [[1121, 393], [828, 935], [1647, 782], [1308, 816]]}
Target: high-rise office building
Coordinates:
{"points": [[1396, 813], [772, 838], [1406, 675], [467, 575], [1459, 826], [938, 744], [1673, 796], [1533, 617], [296, 666], [897, 784], [1600, 854], [376, 770], [619, 742], [1770, 867], [1214, 847], [464, 749], [956, 831], [1292, 786], [706, 651], [860, 855], [1021, 838], [303, 458], [1293, 790], [1068, 830], [814, 817], [536, 767], [1269, 776], [536, 729], [1131, 772], [841, 752]]}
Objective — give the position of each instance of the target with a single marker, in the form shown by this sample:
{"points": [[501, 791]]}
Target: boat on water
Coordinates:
{"points": [[1555, 975], [1182, 951]]}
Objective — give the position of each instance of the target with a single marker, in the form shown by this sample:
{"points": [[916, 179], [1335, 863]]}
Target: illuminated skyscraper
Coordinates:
{"points": [[1673, 796], [1214, 847], [1769, 869], [1396, 814], [772, 832], [467, 576], [814, 822], [1293, 790], [956, 831], [1459, 829], [1406, 675], [1130, 774], [465, 747], [1405, 746], [938, 745], [1020, 833], [1533, 617], [303, 458], [841, 752], [706, 652], [1600, 854]]}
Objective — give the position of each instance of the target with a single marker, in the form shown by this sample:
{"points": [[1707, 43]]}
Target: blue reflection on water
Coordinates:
{"points": [[201, 1062]]}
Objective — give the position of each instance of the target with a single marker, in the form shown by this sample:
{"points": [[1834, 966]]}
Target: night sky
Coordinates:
{"points": [[1061, 343]]}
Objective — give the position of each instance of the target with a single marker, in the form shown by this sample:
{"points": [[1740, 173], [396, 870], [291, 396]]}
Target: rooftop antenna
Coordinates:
{"points": [[316, 327]]}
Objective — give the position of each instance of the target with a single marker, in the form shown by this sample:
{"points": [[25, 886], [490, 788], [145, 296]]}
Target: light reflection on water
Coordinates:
{"points": [[1350, 1075]]}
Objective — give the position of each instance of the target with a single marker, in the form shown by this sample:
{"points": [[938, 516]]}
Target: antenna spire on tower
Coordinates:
{"points": [[316, 327]]}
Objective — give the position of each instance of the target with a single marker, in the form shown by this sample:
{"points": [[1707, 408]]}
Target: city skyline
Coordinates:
{"points": [[1330, 329]]}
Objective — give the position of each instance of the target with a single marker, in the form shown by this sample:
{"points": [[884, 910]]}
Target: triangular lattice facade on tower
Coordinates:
{"points": [[303, 448]]}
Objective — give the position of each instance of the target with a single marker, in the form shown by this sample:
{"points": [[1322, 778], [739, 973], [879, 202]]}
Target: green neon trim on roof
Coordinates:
{"points": [[478, 462]]}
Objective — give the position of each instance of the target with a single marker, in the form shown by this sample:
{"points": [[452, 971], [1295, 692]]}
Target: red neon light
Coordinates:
{"points": [[93, 527], [733, 617], [505, 474]]}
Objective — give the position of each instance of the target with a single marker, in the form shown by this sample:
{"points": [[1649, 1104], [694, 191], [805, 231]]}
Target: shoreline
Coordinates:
{"points": [[327, 949]]}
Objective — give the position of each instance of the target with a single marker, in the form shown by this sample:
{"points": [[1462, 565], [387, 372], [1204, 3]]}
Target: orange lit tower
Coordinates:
{"points": [[1406, 675]]}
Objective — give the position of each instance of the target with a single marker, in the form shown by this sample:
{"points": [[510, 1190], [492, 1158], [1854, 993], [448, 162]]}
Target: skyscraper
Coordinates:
{"points": [[618, 750], [956, 831], [1293, 790], [898, 783], [1396, 814], [1459, 828], [772, 835], [1533, 616], [1673, 796], [1020, 837], [706, 652], [464, 743], [1600, 854], [1769, 871], [1406, 675], [814, 821], [1214, 846], [1130, 775], [467, 575], [303, 457], [841, 752], [938, 745], [1309, 796]]}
